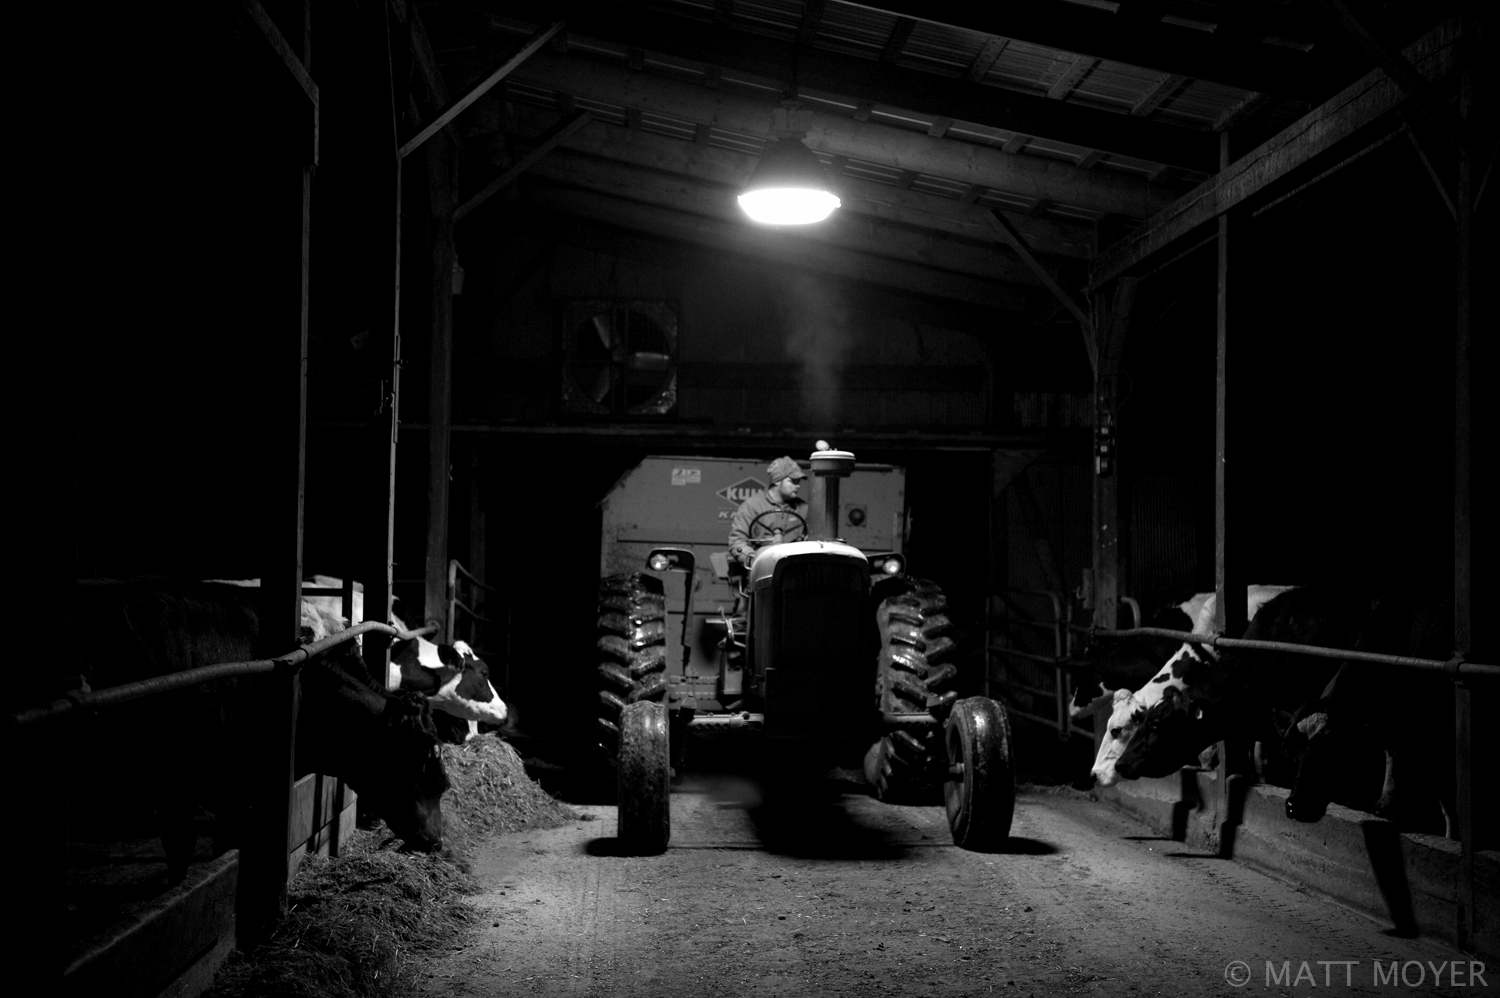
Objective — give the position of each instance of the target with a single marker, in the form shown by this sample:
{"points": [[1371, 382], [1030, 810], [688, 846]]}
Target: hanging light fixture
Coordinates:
{"points": [[789, 186]]}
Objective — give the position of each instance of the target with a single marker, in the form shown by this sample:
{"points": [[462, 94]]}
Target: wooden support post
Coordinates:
{"points": [[440, 182], [1110, 327], [264, 868], [1229, 572], [1463, 520], [379, 573]]}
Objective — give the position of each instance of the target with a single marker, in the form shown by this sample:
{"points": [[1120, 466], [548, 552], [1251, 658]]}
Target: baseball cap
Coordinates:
{"points": [[785, 467]]}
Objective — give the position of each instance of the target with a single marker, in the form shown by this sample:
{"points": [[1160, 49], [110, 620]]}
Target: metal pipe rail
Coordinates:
{"points": [[471, 577], [1456, 666], [474, 614], [108, 697]]}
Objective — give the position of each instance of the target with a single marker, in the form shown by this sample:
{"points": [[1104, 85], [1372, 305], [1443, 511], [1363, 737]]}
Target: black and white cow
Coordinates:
{"points": [[452, 678], [202, 742], [1380, 737], [1125, 663], [1128, 709], [1238, 695]]}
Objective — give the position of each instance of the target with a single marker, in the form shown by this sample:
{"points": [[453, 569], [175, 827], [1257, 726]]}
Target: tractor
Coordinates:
{"points": [[823, 643]]}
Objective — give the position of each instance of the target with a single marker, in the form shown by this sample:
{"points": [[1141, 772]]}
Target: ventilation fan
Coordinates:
{"points": [[619, 358]]}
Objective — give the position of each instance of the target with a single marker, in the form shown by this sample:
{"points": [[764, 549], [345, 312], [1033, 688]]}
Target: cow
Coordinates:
{"points": [[1128, 708], [198, 745], [1382, 721], [1125, 663], [1237, 696], [454, 679]]}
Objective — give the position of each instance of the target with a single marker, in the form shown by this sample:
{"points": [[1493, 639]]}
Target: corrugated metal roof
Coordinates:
{"points": [[854, 30], [1028, 68], [945, 51], [878, 173], [949, 51], [941, 49]]}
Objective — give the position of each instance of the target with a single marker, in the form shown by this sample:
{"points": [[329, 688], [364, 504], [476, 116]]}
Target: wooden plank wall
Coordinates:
{"points": [[322, 818]]}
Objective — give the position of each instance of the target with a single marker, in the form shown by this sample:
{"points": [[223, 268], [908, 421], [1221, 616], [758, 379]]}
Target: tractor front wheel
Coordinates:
{"points": [[980, 791], [644, 779]]}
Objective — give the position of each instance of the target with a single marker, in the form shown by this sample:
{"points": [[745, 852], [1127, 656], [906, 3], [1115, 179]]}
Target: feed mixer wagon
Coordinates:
{"points": [[823, 645]]}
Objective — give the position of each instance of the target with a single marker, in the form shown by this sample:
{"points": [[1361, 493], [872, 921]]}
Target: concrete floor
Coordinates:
{"points": [[846, 896]]}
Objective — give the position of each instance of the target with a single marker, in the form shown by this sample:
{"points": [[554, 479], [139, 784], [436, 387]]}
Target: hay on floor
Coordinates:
{"points": [[357, 925], [492, 793]]}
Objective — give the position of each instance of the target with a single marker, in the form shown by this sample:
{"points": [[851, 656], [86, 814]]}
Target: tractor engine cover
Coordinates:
{"points": [[812, 639]]}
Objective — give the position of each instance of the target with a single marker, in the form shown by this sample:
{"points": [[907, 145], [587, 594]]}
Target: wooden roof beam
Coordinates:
{"points": [[486, 81], [1433, 56], [1064, 297], [912, 209], [980, 320], [780, 247], [897, 40], [812, 13], [871, 237], [968, 163], [854, 79], [1236, 54], [1398, 69], [545, 143]]}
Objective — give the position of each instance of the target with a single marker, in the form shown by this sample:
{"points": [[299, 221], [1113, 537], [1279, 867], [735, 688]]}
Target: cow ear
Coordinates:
{"points": [[450, 657]]}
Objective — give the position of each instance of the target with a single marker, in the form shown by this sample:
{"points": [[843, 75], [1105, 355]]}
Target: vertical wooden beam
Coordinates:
{"points": [[440, 183], [379, 573], [1229, 573], [1463, 521], [264, 867], [1110, 327]]}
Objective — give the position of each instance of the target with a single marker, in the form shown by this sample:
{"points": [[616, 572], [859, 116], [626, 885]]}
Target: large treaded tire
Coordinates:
{"points": [[980, 790], [645, 812], [632, 651], [916, 676]]}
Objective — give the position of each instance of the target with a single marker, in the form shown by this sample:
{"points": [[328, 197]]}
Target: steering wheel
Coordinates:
{"points": [[762, 541]]}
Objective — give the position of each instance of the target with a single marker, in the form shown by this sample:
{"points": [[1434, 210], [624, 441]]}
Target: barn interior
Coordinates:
{"points": [[1147, 297]]}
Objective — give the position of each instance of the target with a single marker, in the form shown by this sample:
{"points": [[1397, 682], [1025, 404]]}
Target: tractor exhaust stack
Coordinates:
{"points": [[831, 465]]}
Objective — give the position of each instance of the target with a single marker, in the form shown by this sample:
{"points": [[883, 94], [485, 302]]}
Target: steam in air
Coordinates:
{"points": [[819, 339]]}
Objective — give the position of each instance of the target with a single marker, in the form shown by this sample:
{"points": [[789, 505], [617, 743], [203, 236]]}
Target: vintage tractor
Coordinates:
{"points": [[824, 643]]}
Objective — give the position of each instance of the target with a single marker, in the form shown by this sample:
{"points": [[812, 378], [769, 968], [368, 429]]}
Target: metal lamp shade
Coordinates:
{"points": [[788, 187]]}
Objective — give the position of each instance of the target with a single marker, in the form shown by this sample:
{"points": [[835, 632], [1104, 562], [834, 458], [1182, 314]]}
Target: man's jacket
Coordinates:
{"points": [[739, 530]]}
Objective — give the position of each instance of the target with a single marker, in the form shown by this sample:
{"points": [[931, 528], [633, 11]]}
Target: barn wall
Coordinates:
{"points": [[1064, 493], [758, 344]]}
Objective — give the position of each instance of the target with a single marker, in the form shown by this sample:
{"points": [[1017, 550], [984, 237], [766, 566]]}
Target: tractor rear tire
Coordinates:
{"points": [[645, 823], [915, 677], [632, 651], [980, 791]]}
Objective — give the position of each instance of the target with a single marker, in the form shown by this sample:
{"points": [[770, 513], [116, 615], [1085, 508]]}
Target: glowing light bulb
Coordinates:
{"points": [[788, 205]]}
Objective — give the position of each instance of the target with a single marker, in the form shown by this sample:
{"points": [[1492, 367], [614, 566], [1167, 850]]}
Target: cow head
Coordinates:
{"points": [[409, 786], [1130, 710], [1167, 737], [384, 745], [1312, 751]]}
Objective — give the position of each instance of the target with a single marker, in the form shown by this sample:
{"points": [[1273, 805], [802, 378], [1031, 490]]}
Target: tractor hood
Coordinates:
{"points": [[764, 565]]}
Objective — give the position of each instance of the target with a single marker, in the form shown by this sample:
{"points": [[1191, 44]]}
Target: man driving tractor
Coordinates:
{"points": [[767, 516]]}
